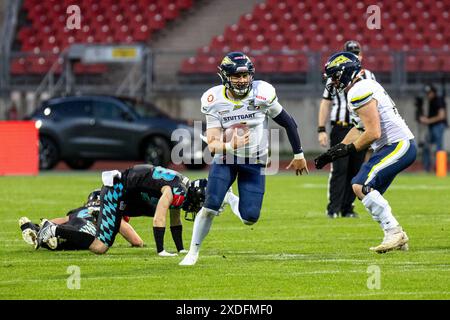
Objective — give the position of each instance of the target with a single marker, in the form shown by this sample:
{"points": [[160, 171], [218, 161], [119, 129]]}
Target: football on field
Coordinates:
{"points": [[240, 128]]}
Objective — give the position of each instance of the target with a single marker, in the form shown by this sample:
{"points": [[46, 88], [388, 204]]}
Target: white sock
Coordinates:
{"points": [[380, 210], [233, 201], [202, 224]]}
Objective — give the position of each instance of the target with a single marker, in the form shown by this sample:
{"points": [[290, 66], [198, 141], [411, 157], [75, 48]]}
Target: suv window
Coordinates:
{"points": [[107, 110], [72, 109]]}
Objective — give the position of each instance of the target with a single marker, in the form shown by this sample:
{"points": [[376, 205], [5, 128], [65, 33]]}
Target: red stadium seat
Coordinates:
{"points": [[189, 65], [278, 43], [183, 4], [208, 66], [18, 66], [292, 64], [105, 21], [266, 64]]}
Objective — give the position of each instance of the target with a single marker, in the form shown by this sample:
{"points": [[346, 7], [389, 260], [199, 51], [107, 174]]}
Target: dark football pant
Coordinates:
{"points": [[76, 234], [341, 195], [110, 216], [251, 185]]}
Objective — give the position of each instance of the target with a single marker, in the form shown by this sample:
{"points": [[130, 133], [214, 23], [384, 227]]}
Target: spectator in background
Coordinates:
{"points": [[12, 113], [436, 122]]}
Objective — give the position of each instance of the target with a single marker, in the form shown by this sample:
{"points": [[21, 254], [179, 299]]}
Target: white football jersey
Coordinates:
{"points": [[260, 103], [393, 127]]}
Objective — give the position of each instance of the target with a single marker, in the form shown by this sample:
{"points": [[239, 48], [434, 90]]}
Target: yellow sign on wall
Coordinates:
{"points": [[124, 53]]}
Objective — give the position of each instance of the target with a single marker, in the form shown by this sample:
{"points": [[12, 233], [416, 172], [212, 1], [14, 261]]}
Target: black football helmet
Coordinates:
{"points": [[93, 198], [352, 46], [232, 64], [341, 68], [195, 198]]}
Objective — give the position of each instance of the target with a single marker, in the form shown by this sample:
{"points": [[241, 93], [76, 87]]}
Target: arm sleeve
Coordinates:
{"points": [[285, 120]]}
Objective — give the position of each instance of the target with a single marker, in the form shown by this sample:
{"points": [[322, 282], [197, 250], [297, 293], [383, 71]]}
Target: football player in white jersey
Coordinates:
{"points": [[240, 100], [378, 124]]}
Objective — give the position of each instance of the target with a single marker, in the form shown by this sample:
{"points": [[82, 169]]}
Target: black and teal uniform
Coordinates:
{"points": [[137, 193]]}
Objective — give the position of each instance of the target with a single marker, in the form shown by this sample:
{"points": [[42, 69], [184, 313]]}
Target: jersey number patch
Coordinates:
{"points": [[163, 173]]}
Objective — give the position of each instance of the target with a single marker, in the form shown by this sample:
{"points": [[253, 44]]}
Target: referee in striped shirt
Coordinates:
{"points": [[340, 193]]}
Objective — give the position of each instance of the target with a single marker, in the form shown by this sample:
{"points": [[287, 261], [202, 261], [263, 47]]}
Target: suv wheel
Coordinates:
{"points": [[80, 164], [48, 153], [157, 151]]}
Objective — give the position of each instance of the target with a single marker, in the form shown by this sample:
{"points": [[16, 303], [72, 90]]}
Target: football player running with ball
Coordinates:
{"points": [[378, 124], [239, 100]]}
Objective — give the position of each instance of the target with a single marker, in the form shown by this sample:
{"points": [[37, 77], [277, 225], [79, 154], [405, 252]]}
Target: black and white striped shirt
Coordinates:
{"points": [[339, 110]]}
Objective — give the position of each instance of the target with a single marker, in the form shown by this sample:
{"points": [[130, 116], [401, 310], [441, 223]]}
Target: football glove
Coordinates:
{"points": [[341, 150], [338, 151], [322, 160]]}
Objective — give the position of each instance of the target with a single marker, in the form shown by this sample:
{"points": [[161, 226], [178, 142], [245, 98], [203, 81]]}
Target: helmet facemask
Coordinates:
{"points": [[236, 64], [195, 198], [93, 199], [240, 88], [339, 80], [340, 70]]}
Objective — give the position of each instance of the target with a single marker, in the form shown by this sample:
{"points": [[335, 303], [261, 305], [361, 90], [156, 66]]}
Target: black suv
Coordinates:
{"points": [[82, 129]]}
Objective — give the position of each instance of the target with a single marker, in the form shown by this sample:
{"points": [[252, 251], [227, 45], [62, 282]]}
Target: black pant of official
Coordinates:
{"points": [[341, 195]]}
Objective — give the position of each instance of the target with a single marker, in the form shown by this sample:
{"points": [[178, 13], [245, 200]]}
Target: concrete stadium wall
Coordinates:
{"points": [[305, 111]]}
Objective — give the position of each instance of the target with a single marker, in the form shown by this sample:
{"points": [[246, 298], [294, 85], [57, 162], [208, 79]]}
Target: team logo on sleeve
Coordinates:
{"points": [[210, 98], [252, 107]]}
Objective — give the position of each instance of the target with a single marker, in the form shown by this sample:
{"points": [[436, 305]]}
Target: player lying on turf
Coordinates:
{"points": [[143, 190], [378, 124], [75, 231]]}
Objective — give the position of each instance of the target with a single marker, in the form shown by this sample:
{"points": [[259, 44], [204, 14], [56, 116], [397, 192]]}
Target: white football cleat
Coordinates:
{"points": [[164, 253], [189, 260], [394, 238], [52, 243], [29, 235], [23, 220], [47, 235], [183, 251]]}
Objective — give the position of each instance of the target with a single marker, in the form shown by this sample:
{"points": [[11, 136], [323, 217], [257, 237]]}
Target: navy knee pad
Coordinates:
{"points": [[250, 214], [213, 202]]}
